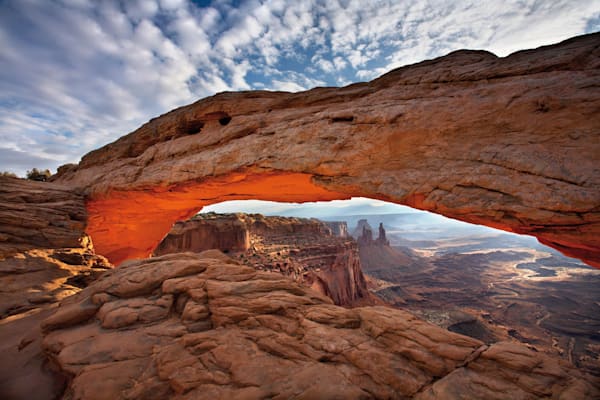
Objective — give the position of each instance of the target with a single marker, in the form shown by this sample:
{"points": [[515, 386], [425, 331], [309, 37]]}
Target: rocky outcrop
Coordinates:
{"points": [[362, 226], [185, 326], [45, 256], [511, 143], [365, 239], [304, 249], [205, 326], [39, 215], [226, 232], [339, 228]]}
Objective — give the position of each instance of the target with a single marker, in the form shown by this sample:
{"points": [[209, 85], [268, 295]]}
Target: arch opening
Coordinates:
{"points": [[129, 224]]}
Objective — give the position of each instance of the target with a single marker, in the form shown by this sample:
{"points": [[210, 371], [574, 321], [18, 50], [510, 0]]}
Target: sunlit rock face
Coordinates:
{"points": [[510, 143], [185, 326], [304, 249], [225, 232]]}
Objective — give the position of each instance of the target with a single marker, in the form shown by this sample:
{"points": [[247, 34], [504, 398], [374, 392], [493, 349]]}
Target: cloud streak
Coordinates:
{"points": [[77, 74]]}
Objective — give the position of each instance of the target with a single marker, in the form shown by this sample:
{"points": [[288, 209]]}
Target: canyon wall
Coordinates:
{"points": [[226, 233], [510, 143], [304, 249]]}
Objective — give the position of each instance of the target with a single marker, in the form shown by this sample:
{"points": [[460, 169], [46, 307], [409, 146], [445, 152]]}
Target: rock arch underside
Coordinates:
{"points": [[512, 143]]}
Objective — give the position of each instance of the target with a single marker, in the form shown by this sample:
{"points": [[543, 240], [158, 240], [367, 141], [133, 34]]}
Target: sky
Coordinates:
{"points": [[78, 74], [317, 209]]}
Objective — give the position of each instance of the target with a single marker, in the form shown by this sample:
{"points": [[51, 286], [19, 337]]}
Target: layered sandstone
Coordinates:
{"points": [[36, 215], [45, 256], [304, 249], [187, 326], [510, 142]]}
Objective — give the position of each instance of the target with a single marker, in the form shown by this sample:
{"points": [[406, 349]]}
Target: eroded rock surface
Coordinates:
{"points": [[40, 215], [197, 326], [45, 256], [510, 142], [304, 249]]}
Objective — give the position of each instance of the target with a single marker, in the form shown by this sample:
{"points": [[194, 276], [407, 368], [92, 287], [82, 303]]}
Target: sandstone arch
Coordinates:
{"points": [[511, 143]]}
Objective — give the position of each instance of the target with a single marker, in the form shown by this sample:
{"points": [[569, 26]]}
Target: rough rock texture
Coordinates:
{"points": [[304, 249], [339, 228], [226, 232], [510, 142], [198, 326], [45, 256], [38, 215], [36, 278]]}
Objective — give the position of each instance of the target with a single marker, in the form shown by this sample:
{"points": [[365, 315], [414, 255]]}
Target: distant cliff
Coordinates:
{"points": [[317, 254], [339, 228]]}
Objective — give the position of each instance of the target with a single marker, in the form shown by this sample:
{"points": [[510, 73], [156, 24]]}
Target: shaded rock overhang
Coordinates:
{"points": [[512, 143]]}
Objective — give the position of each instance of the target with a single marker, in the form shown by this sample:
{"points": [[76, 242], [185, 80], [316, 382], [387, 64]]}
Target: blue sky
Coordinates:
{"points": [[318, 209], [77, 74]]}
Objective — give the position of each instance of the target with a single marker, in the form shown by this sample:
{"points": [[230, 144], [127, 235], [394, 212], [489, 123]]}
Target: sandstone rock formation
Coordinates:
{"points": [[511, 143], [45, 256], [204, 326], [365, 238], [339, 228], [304, 249], [36, 215], [226, 232], [191, 326], [361, 227]]}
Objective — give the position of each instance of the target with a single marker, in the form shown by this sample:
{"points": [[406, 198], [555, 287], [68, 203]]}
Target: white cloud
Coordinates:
{"points": [[325, 65], [140, 9], [171, 4], [286, 86], [339, 63]]}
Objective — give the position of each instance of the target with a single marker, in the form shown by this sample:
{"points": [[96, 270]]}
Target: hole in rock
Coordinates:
{"points": [[343, 118], [192, 127], [220, 116], [225, 120], [469, 279]]}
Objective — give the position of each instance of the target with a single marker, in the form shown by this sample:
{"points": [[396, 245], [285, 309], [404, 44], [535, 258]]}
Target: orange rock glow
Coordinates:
{"points": [[126, 225]]}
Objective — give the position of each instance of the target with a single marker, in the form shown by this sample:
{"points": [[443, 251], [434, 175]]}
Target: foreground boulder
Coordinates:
{"points": [[510, 143], [202, 326]]}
